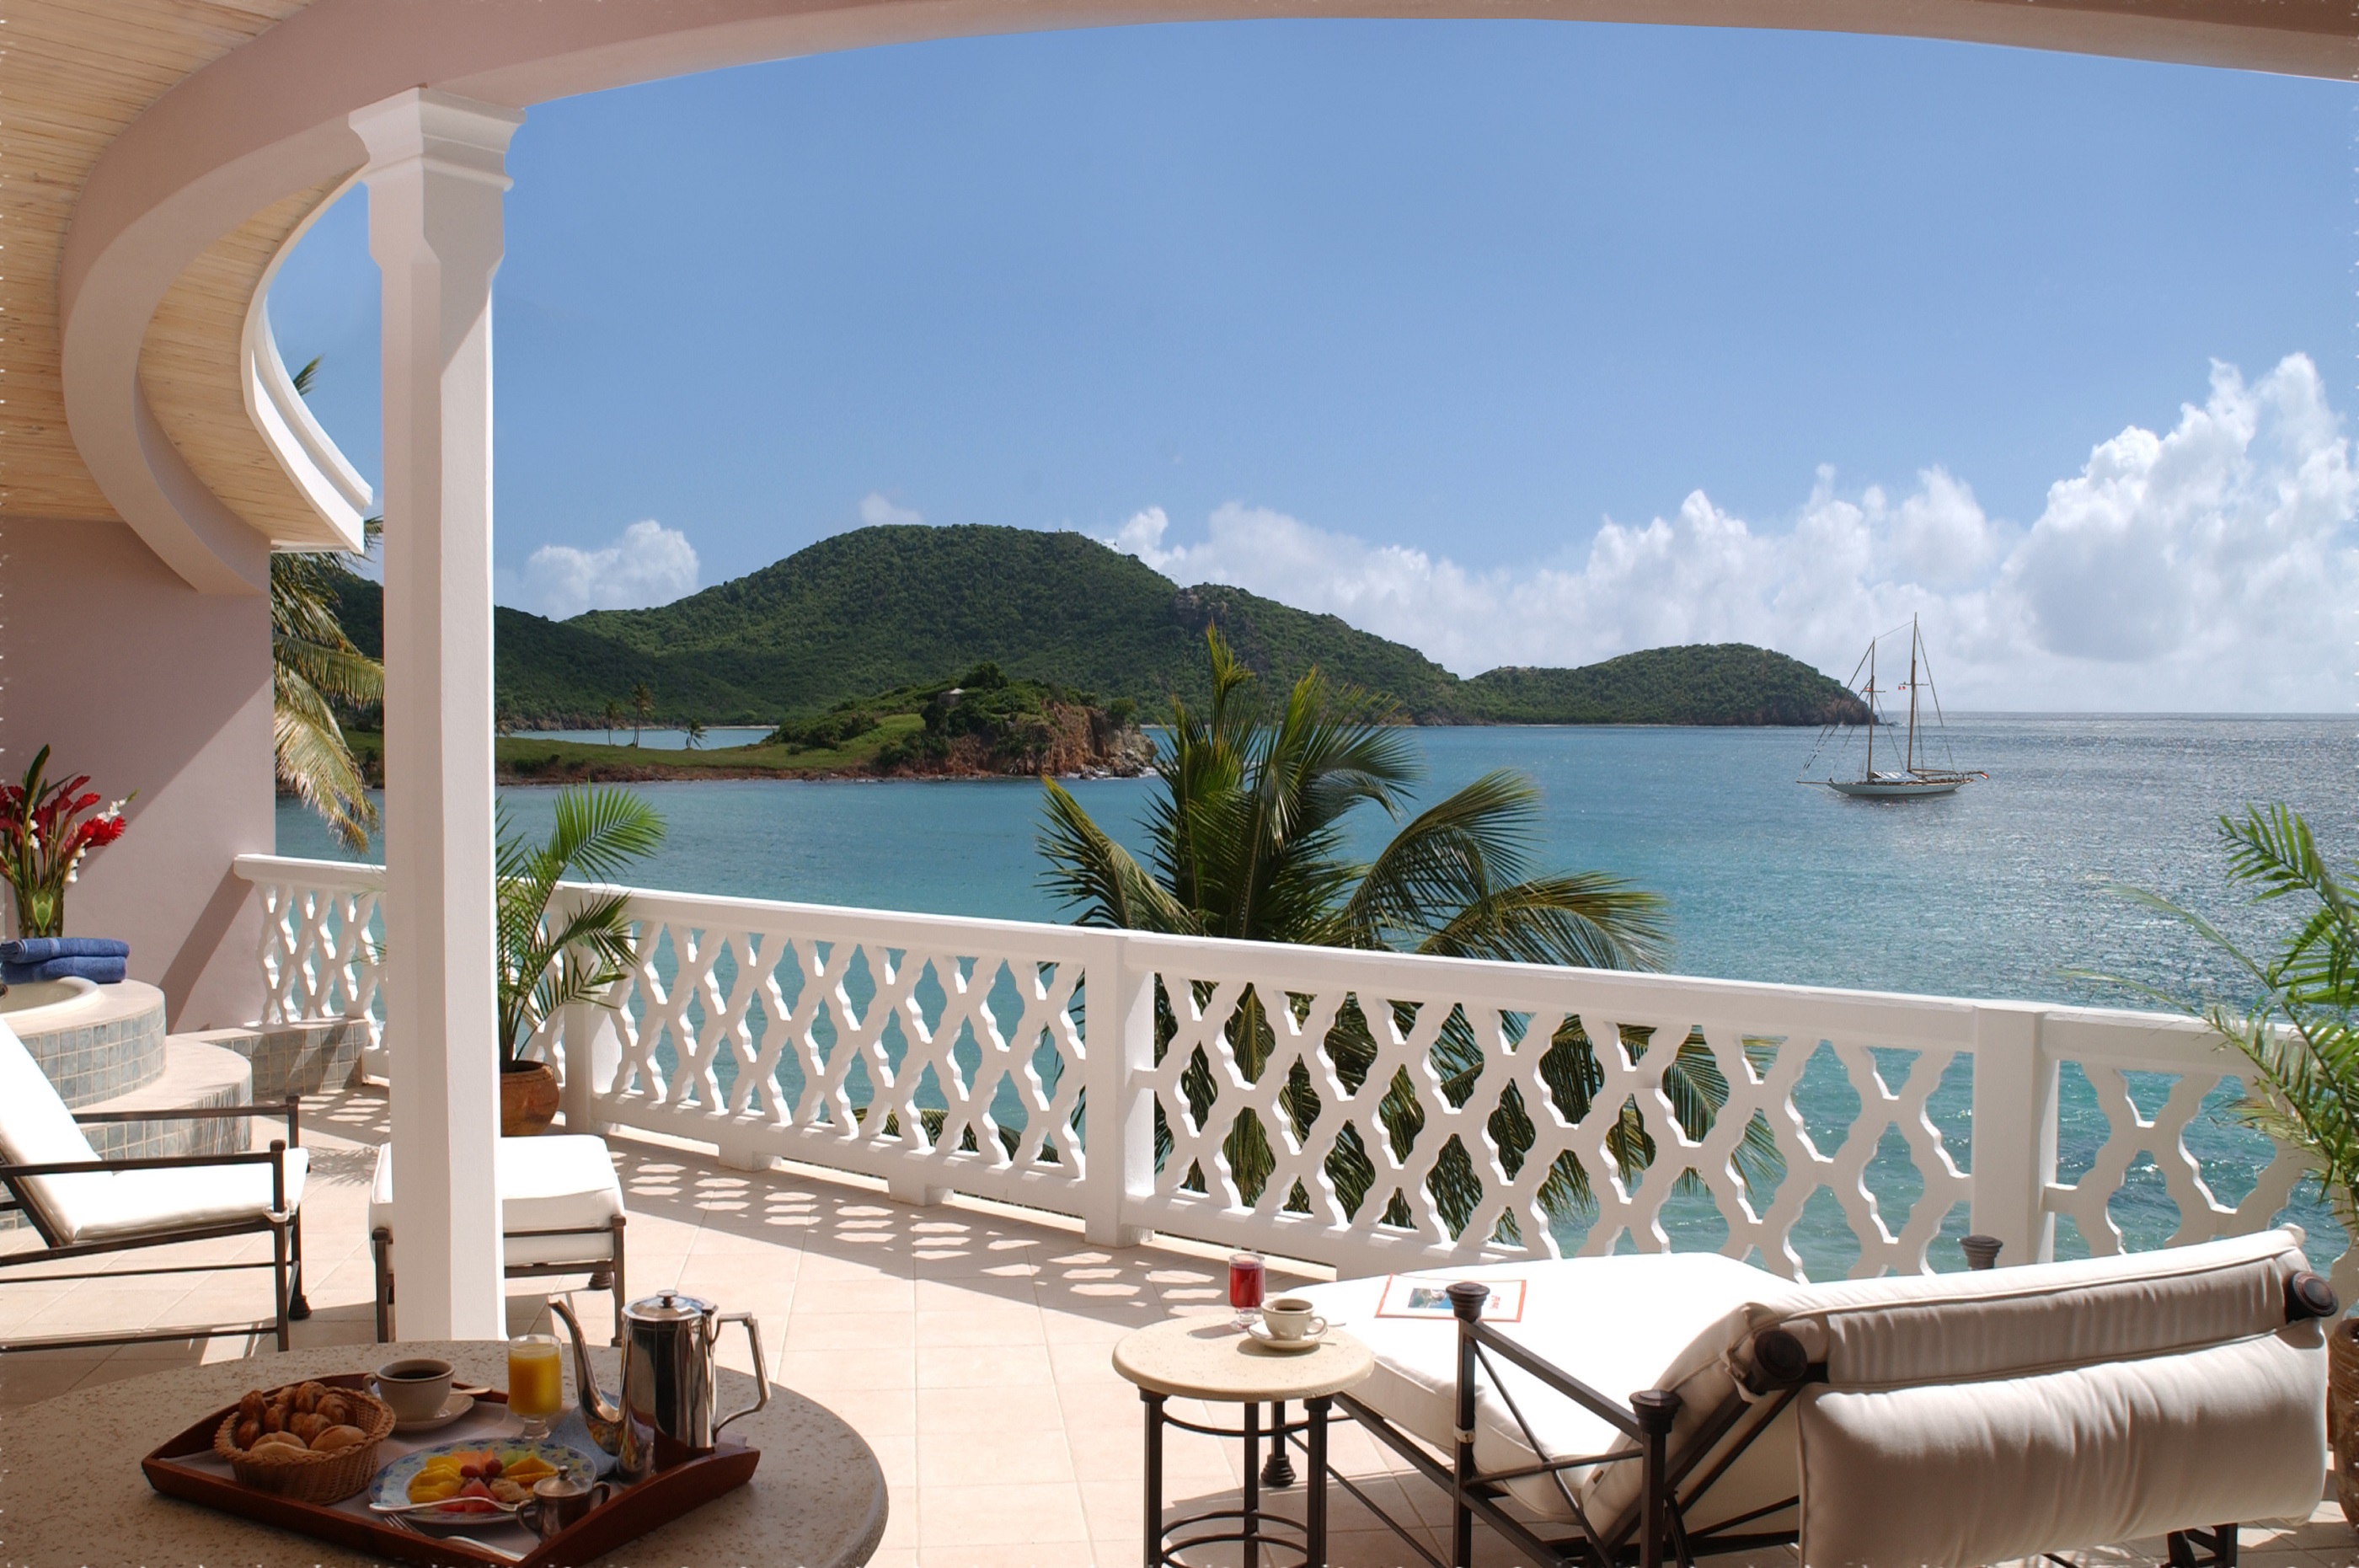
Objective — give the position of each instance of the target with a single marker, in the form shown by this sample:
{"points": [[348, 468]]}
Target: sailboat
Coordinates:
{"points": [[1911, 780]]}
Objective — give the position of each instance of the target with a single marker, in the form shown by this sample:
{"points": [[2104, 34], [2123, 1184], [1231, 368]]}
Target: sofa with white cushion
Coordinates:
{"points": [[1674, 1405]]}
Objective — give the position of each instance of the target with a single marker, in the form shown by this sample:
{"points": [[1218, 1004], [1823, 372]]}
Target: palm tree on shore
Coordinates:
{"points": [[643, 703], [1247, 840], [693, 734], [613, 718]]}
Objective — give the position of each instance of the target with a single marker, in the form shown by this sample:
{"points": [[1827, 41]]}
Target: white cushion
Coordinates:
{"points": [[2012, 1467], [1906, 1329], [145, 1202], [1621, 1325], [36, 1128], [563, 1182]]}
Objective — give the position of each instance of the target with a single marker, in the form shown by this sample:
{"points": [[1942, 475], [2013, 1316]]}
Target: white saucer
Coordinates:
{"points": [[454, 1407], [1284, 1347]]}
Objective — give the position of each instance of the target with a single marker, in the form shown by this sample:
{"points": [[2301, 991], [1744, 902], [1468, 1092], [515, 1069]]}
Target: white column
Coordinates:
{"points": [[435, 180]]}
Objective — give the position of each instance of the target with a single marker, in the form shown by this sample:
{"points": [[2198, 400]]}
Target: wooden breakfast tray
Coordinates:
{"points": [[186, 1468]]}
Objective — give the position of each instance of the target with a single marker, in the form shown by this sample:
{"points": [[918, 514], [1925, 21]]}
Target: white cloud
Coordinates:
{"points": [[875, 511], [2210, 567], [649, 564]]}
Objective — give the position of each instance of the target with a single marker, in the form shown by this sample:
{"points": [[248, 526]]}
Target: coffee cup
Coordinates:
{"points": [[415, 1387], [559, 1502], [1291, 1318]]}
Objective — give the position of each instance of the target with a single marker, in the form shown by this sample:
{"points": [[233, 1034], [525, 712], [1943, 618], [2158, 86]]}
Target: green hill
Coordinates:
{"points": [[1706, 683], [885, 608]]}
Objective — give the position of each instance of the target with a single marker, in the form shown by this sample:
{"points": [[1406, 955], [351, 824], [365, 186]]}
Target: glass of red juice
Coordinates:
{"points": [[1245, 1286]]}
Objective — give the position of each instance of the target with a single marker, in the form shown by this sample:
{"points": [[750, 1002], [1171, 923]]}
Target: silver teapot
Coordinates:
{"points": [[665, 1412]]}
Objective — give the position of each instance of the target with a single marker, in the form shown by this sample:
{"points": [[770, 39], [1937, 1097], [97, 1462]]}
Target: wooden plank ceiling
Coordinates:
{"points": [[76, 73]]}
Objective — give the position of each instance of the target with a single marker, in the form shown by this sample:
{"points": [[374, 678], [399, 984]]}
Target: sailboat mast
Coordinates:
{"points": [[1912, 693], [1871, 709]]}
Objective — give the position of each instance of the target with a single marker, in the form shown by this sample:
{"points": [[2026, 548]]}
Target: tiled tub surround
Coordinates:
{"points": [[107, 1042], [315, 1058]]}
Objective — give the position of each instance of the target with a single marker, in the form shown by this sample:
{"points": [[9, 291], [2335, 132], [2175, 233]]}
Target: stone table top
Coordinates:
{"points": [[1211, 1358], [71, 1492]]}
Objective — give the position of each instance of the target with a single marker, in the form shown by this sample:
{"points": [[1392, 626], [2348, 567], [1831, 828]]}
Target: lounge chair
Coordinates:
{"points": [[84, 1206], [561, 1213], [1953, 1419]]}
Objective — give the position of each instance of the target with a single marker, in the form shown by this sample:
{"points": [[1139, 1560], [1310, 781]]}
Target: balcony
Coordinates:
{"points": [[875, 1132], [968, 1342]]}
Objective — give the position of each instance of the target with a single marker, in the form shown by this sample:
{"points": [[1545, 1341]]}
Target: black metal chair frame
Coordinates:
{"points": [[606, 1275], [1655, 1528], [284, 1225]]}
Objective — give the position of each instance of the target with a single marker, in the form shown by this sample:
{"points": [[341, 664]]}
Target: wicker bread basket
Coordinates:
{"points": [[306, 1476]]}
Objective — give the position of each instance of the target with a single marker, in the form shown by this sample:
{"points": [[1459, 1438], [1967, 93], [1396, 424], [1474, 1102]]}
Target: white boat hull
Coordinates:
{"points": [[1895, 789]]}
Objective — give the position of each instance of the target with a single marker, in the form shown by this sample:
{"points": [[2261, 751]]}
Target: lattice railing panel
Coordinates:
{"points": [[2161, 1136], [1364, 1109], [319, 958], [1470, 1130], [795, 1039]]}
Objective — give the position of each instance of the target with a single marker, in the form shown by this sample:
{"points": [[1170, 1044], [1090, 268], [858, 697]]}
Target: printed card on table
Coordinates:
{"points": [[1411, 1296]]}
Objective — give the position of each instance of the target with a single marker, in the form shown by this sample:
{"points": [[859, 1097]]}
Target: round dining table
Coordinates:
{"points": [[72, 1494]]}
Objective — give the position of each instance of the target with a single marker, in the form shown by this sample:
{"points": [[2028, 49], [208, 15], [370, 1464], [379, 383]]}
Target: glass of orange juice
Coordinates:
{"points": [[536, 1382]]}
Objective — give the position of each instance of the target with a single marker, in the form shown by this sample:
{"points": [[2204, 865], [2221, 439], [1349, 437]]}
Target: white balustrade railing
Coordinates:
{"points": [[1404, 1112]]}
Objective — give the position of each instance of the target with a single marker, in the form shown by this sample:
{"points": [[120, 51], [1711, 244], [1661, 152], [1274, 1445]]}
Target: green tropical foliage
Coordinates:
{"points": [[1247, 841], [550, 960], [315, 668], [2295, 1025]]}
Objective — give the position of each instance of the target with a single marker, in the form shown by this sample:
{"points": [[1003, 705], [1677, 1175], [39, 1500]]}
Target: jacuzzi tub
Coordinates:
{"points": [[39, 1006], [92, 1041]]}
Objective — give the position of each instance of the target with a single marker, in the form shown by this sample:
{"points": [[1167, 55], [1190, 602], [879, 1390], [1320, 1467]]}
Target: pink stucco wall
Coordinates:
{"points": [[135, 679]]}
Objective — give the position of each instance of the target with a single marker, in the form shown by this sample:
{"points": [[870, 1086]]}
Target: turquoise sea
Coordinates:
{"points": [[1994, 892]]}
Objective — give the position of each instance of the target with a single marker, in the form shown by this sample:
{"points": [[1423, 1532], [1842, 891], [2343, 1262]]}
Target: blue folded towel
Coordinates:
{"points": [[41, 949], [104, 971]]}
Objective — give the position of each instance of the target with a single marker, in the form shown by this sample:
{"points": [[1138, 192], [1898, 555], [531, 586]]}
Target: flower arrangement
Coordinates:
{"points": [[44, 831]]}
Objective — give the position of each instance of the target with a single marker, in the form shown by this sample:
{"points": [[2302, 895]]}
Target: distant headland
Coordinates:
{"points": [[888, 609]]}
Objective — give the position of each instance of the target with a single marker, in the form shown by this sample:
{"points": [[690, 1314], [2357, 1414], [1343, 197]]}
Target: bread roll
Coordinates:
{"points": [[338, 1437], [270, 1439]]}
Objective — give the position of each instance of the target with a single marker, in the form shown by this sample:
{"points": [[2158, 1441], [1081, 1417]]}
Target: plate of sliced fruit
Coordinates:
{"points": [[463, 1482]]}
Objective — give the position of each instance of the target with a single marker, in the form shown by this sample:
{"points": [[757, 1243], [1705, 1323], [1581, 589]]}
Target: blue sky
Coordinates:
{"points": [[1527, 342]]}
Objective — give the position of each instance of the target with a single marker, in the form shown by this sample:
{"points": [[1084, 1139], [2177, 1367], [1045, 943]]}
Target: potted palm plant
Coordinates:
{"points": [[555, 956], [2297, 1027]]}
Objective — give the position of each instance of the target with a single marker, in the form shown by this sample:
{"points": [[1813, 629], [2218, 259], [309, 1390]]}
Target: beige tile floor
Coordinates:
{"points": [[969, 1343]]}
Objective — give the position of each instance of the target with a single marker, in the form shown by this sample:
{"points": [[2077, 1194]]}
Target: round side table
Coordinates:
{"points": [[1212, 1359]]}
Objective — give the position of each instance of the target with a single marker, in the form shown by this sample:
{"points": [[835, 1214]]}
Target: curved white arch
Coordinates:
{"points": [[309, 455], [269, 119]]}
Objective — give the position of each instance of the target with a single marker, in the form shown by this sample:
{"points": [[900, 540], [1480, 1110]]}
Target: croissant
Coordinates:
{"points": [[274, 1419], [252, 1404], [335, 1409], [247, 1431], [308, 1425], [305, 1398]]}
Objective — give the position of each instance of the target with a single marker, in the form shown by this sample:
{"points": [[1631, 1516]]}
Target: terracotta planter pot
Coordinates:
{"points": [[527, 1099], [2343, 1412]]}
